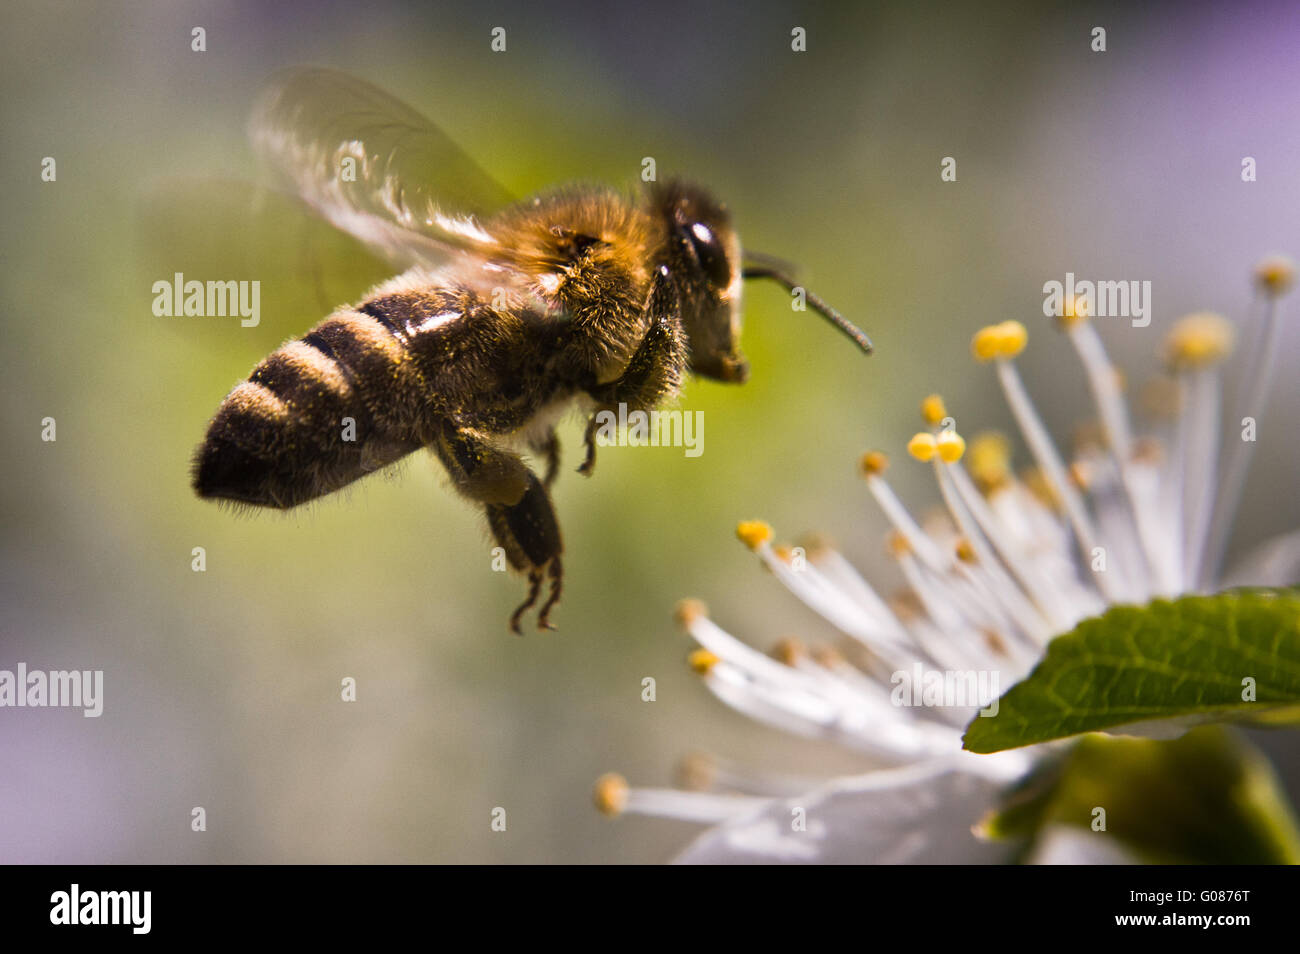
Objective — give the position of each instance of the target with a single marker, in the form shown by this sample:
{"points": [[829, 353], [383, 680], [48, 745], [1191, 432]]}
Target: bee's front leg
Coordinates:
{"points": [[519, 512], [655, 372]]}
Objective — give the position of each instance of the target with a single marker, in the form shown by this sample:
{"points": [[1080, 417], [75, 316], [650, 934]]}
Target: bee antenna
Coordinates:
{"points": [[776, 264], [817, 305]]}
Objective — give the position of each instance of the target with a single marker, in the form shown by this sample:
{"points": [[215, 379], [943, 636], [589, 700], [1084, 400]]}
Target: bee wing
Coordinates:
{"points": [[374, 167], [306, 267]]}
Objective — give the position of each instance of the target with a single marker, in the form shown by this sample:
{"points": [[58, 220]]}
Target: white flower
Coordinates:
{"points": [[1012, 562]]}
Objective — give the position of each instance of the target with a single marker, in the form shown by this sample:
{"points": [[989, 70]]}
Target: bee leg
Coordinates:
{"points": [[530, 535], [556, 572], [655, 372], [549, 448], [589, 441], [519, 511], [534, 585]]}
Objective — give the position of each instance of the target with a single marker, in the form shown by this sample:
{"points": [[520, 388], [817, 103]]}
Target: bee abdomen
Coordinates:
{"points": [[314, 416]]}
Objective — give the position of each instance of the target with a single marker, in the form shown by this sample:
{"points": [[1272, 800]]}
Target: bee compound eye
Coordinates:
{"points": [[708, 252]]}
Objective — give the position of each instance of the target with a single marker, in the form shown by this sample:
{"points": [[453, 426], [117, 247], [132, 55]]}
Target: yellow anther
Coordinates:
{"points": [[1012, 338], [788, 651], [950, 445], [1148, 451], [873, 463], [1275, 274], [696, 772], [610, 793], [1198, 341], [783, 552], [965, 552], [922, 446], [906, 605], [896, 544], [1041, 487], [753, 533], [1080, 475], [816, 545], [994, 641], [701, 660], [989, 460], [984, 345], [827, 656], [1074, 310], [933, 410], [688, 611], [999, 341]]}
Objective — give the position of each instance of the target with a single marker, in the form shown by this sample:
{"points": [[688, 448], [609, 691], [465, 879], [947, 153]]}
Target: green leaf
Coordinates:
{"points": [[1207, 798], [1189, 658]]}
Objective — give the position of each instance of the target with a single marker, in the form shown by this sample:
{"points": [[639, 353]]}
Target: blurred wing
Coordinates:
{"points": [[409, 191], [209, 228]]}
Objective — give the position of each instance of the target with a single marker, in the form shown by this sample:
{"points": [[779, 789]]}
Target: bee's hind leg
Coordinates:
{"points": [[519, 512], [530, 535]]}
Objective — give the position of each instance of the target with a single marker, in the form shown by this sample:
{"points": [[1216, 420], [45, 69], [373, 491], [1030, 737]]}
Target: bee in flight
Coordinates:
{"points": [[506, 315]]}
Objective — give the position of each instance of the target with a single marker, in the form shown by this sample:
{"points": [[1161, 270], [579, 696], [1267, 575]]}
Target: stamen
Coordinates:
{"points": [[688, 611], [840, 573], [1073, 312], [701, 661], [1201, 446], [753, 533], [702, 772], [613, 796], [922, 446], [1008, 594], [610, 793], [896, 513], [1194, 348], [933, 411], [1107, 392], [824, 598], [950, 446], [1275, 276], [874, 463], [1051, 601], [989, 461], [1198, 341], [1044, 451]]}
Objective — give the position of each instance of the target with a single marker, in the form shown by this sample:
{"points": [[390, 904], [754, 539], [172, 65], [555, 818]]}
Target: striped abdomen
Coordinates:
{"points": [[281, 438]]}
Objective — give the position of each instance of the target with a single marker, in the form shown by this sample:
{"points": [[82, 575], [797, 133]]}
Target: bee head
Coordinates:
{"points": [[704, 262]]}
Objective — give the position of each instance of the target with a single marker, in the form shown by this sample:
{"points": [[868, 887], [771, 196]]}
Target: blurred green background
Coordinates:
{"points": [[222, 688]]}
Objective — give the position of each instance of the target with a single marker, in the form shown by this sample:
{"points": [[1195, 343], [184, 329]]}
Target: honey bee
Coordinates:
{"points": [[507, 314]]}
